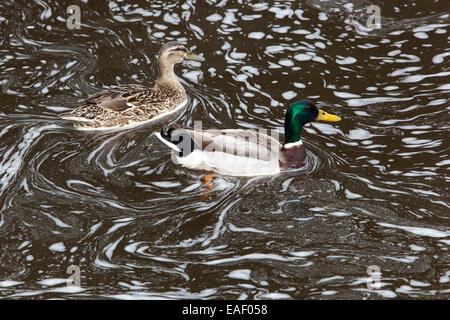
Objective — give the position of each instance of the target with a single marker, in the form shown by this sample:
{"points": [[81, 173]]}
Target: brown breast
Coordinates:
{"points": [[292, 158]]}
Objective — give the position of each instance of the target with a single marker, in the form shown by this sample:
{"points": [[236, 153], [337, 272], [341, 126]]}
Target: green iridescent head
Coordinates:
{"points": [[301, 113]]}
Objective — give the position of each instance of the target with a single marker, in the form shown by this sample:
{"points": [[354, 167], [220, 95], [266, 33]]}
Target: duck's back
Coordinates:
{"points": [[127, 105]]}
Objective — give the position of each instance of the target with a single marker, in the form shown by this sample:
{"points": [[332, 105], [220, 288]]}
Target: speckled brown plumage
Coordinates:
{"points": [[128, 104]]}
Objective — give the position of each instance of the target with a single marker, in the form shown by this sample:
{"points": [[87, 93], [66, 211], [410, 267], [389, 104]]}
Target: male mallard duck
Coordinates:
{"points": [[129, 105], [240, 152]]}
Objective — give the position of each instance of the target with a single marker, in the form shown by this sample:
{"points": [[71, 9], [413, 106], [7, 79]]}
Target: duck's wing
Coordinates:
{"points": [[121, 98], [250, 144], [123, 92], [239, 142]]}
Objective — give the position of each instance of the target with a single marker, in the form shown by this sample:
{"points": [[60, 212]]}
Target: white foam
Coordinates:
{"points": [[351, 195], [421, 35], [210, 250], [281, 29], [256, 35], [319, 59], [281, 13], [302, 57], [420, 77], [367, 101], [117, 226], [242, 274], [339, 213], [230, 18], [439, 58], [330, 279], [403, 71], [57, 221], [52, 281], [57, 247], [416, 283], [417, 248], [214, 17], [328, 292], [193, 75], [426, 232], [345, 95], [320, 45], [286, 62], [251, 256], [394, 53], [443, 163], [192, 187], [359, 134], [302, 254], [429, 27], [323, 16], [9, 283], [109, 250], [24, 244], [275, 296], [288, 95], [346, 60], [246, 229], [165, 184]]}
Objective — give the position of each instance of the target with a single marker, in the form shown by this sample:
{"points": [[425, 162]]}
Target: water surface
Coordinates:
{"points": [[374, 191]]}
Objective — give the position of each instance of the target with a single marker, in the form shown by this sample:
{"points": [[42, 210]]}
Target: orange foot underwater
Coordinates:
{"points": [[209, 186]]}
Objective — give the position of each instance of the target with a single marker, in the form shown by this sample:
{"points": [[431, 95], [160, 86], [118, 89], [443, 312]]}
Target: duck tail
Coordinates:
{"points": [[166, 133], [70, 116], [166, 137]]}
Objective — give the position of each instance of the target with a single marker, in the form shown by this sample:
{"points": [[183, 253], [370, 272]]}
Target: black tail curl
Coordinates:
{"points": [[167, 133], [181, 139]]}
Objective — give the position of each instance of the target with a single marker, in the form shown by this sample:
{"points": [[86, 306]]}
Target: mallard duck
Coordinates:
{"points": [[241, 152], [131, 105]]}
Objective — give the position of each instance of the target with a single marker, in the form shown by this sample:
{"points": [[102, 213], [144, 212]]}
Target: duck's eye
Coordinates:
{"points": [[307, 108]]}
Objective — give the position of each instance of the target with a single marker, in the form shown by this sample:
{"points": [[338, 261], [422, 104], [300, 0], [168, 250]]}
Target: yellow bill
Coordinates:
{"points": [[191, 56], [323, 116]]}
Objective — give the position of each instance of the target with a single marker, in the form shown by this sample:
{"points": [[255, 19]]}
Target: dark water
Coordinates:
{"points": [[374, 192]]}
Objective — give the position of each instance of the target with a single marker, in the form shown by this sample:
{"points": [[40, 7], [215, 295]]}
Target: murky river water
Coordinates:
{"points": [[373, 194]]}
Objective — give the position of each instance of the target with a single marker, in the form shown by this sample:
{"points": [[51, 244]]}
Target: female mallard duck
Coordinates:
{"points": [[240, 152], [130, 105]]}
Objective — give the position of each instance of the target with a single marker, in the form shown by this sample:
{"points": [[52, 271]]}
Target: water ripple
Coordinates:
{"points": [[373, 191]]}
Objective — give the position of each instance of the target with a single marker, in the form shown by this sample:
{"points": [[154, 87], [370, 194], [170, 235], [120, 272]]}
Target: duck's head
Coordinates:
{"points": [[301, 113], [174, 52]]}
